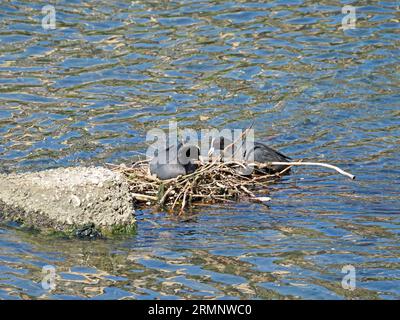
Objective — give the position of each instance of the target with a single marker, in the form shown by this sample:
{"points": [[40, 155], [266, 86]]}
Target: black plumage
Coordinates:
{"points": [[173, 162]]}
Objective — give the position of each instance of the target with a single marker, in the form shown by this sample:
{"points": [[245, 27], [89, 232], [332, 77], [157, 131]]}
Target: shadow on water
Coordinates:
{"points": [[88, 91]]}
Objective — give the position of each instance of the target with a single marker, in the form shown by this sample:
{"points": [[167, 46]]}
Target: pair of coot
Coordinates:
{"points": [[180, 160]]}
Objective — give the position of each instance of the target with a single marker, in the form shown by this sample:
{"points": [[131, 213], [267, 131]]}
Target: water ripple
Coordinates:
{"points": [[88, 91]]}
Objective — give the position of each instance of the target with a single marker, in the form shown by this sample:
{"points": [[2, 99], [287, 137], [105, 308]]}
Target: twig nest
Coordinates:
{"points": [[213, 181]]}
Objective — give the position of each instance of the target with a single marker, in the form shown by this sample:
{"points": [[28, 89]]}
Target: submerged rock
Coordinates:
{"points": [[66, 199], [88, 232]]}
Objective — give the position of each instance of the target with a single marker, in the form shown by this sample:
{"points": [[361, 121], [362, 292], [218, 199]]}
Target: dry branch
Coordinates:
{"points": [[320, 164]]}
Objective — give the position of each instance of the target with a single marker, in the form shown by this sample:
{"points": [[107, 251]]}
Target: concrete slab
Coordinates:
{"points": [[65, 199]]}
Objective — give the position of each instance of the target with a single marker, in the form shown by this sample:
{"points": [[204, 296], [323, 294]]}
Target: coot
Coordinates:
{"points": [[173, 162], [260, 152]]}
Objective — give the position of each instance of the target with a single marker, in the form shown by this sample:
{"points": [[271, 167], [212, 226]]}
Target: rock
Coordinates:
{"points": [[67, 199], [88, 232]]}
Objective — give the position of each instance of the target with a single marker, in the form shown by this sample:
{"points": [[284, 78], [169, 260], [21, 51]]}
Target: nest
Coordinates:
{"points": [[213, 181]]}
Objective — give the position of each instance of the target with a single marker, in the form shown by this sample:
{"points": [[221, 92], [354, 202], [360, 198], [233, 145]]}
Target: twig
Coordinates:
{"points": [[319, 164], [162, 200], [144, 197]]}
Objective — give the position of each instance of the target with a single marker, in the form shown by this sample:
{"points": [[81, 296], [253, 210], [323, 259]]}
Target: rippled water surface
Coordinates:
{"points": [[88, 91]]}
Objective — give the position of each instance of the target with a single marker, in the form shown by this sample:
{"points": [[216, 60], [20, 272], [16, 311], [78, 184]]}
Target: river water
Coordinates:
{"points": [[87, 92]]}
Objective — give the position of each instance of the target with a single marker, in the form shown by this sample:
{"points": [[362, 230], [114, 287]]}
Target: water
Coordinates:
{"points": [[88, 91]]}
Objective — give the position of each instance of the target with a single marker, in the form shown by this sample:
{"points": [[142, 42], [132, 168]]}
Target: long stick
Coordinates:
{"points": [[312, 164], [143, 197]]}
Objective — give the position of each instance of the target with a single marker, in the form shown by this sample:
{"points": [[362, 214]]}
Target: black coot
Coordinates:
{"points": [[259, 153], [172, 162], [263, 154]]}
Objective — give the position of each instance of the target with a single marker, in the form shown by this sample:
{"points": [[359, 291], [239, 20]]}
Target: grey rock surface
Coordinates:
{"points": [[63, 198]]}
